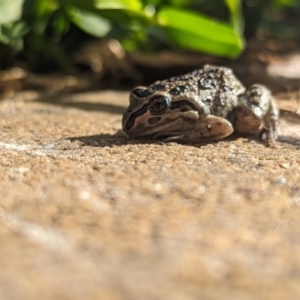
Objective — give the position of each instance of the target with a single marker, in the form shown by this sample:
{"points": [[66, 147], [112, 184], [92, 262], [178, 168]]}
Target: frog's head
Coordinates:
{"points": [[159, 110]]}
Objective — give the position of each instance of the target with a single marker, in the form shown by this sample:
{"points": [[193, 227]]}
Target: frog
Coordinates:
{"points": [[205, 105]]}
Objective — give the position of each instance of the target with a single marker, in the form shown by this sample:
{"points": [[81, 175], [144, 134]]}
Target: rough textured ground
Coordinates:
{"points": [[86, 213]]}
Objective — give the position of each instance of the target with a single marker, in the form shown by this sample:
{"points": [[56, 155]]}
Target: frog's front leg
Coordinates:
{"points": [[210, 128], [257, 113]]}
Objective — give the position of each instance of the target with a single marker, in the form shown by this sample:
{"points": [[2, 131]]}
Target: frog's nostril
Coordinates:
{"points": [[141, 92]]}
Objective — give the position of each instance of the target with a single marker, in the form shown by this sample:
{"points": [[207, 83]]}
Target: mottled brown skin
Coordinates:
{"points": [[205, 105]]}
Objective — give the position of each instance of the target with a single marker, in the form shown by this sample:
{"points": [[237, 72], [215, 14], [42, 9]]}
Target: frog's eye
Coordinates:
{"points": [[159, 104]]}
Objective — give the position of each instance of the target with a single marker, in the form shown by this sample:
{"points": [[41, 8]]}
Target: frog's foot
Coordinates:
{"points": [[257, 113], [270, 135], [211, 128]]}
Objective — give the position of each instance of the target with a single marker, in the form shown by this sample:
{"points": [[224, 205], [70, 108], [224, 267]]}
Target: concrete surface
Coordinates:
{"points": [[86, 213]]}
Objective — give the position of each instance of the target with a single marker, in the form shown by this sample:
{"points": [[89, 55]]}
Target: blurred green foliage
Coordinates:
{"points": [[48, 30]]}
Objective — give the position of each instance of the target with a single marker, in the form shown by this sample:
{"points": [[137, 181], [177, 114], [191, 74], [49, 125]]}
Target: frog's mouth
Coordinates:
{"points": [[160, 126]]}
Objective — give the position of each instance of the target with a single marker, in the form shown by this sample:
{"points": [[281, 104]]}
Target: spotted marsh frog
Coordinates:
{"points": [[205, 105]]}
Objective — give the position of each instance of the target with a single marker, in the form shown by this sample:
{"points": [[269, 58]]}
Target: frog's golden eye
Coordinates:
{"points": [[159, 104]]}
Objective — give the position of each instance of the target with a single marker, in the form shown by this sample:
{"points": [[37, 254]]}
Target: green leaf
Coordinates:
{"points": [[60, 22], [194, 31], [134, 5], [236, 17], [89, 22], [40, 14], [94, 5], [41, 8], [15, 30], [16, 43], [39, 26], [284, 3], [119, 11], [11, 34], [3, 38], [10, 10]]}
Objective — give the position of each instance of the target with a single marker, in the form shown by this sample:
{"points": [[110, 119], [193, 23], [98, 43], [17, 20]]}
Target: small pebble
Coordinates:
{"points": [[49, 146]]}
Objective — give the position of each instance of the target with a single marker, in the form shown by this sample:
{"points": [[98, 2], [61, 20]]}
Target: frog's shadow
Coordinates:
{"points": [[107, 140], [120, 139]]}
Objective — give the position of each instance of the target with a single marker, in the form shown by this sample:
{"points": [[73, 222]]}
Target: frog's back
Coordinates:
{"points": [[215, 88], [219, 88]]}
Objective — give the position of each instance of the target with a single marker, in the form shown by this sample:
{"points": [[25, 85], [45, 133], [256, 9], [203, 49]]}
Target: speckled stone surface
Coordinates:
{"points": [[86, 213]]}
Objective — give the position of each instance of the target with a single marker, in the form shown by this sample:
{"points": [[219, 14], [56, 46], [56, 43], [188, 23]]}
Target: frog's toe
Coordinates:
{"points": [[269, 136]]}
